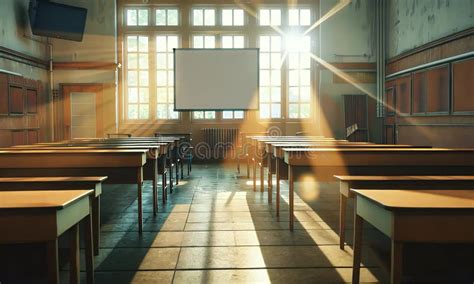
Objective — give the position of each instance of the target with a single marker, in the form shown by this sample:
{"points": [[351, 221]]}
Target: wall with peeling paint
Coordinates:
{"points": [[347, 36], [412, 23]]}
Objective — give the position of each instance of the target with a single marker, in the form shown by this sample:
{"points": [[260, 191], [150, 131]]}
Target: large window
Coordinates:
{"points": [[270, 76], [151, 32], [137, 77], [299, 77], [165, 76]]}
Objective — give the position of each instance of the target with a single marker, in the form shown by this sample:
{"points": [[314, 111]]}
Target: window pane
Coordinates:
{"points": [[265, 78], [170, 95], [264, 110], [276, 110], [132, 44], [144, 111], [305, 79], [161, 43], [264, 17], [276, 43], [305, 110], [275, 77], [264, 60], [227, 42], [172, 43], [275, 17], [174, 114], [264, 43], [209, 17], [132, 95], [161, 61], [305, 17], [239, 42], [144, 98], [171, 61], [132, 111], [238, 17], [132, 61], [143, 78], [305, 94], [160, 19], [264, 94], [238, 114], [227, 17], [172, 17], [293, 94], [305, 61], [276, 60], [198, 41], [227, 114], [143, 17], [143, 61], [293, 17], [210, 115], [198, 114], [276, 94], [131, 17], [198, 19], [293, 60], [293, 78], [293, 110], [132, 78], [170, 78], [161, 111], [143, 44], [209, 42], [161, 79], [161, 95]]}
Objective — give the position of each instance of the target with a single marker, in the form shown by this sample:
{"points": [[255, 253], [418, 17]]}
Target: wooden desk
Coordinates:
{"points": [[391, 182], [431, 216], [281, 168], [121, 166], [42, 216], [62, 183], [325, 163]]}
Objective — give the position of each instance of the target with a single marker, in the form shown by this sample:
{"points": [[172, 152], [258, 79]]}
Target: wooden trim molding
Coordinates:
{"points": [[452, 45], [20, 57], [86, 65]]}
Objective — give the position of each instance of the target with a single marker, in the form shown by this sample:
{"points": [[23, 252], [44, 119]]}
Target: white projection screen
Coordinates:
{"points": [[216, 79]]}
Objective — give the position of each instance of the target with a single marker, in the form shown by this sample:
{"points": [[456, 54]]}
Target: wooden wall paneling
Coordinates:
{"points": [[19, 137], [16, 100], [463, 86], [403, 95], [31, 100], [438, 89], [33, 136], [419, 92], [3, 94], [389, 101]]}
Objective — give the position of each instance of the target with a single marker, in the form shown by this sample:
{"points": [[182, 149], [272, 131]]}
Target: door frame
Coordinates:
{"points": [[66, 90]]}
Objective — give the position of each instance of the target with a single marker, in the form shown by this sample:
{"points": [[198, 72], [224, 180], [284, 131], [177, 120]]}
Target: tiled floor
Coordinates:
{"points": [[215, 229]]}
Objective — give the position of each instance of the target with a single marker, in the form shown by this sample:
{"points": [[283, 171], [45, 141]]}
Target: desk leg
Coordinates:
{"points": [[254, 171], [89, 247], [171, 176], [52, 259], [96, 223], [238, 163], [74, 261], [342, 220], [277, 187], [155, 187], [291, 192], [269, 179], [262, 170], [140, 201], [248, 166], [358, 225], [396, 263]]}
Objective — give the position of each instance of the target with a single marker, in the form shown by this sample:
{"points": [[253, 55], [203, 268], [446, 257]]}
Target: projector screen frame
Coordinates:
{"points": [[218, 109]]}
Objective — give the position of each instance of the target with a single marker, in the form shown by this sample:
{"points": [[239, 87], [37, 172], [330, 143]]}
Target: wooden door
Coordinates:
{"points": [[82, 110]]}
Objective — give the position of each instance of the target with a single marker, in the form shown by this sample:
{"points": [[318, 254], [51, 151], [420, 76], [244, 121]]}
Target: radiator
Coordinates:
{"points": [[221, 140]]}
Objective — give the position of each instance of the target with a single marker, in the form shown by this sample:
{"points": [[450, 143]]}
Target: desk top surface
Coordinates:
{"points": [[415, 149], [52, 179], [39, 199], [45, 150], [419, 199], [403, 178]]}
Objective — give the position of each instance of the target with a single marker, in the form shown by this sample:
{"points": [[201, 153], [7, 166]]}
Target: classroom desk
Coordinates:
{"points": [[42, 216], [325, 163], [258, 154], [391, 182], [155, 165], [62, 183], [121, 166], [418, 216], [241, 148]]}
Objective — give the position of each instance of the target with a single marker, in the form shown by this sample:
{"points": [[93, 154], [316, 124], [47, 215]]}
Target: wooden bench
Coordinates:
{"points": [[121, 166], [391, 182], [41, 217], [431, 216], [325, 163], [62, 183]]}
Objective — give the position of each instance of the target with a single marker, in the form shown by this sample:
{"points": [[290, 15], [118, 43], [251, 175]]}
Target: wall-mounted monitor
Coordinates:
{"points": [[57, 20]]}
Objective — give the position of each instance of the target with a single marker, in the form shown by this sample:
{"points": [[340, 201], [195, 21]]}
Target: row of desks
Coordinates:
{"points": [[400, 214], [56, 186]]}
